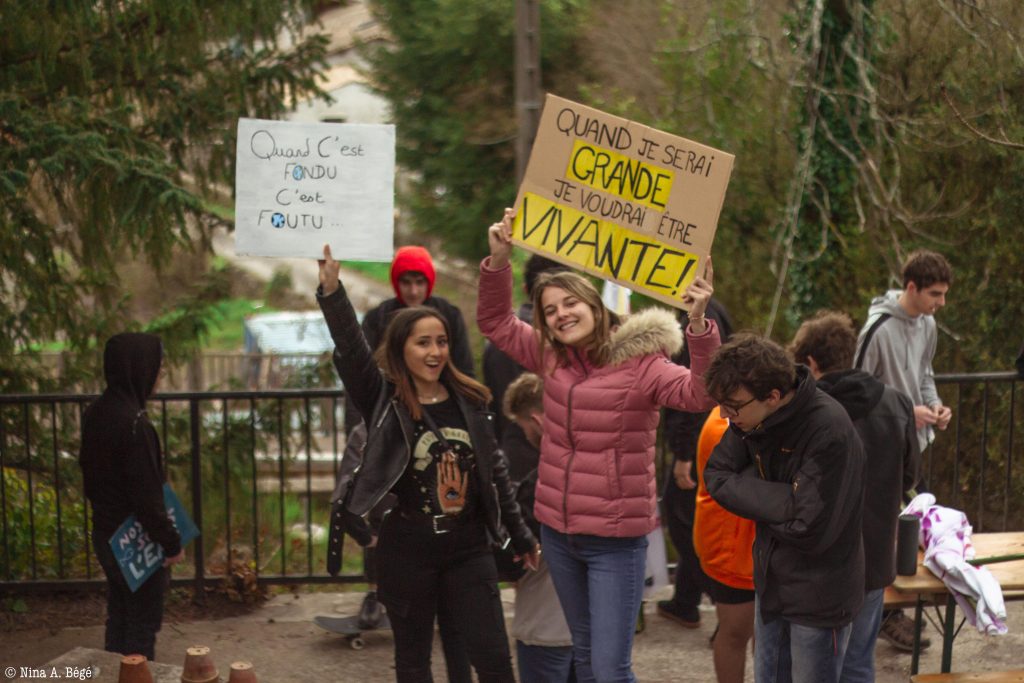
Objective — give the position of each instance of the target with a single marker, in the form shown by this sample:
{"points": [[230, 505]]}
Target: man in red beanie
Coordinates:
{"points": [[412, 277]]}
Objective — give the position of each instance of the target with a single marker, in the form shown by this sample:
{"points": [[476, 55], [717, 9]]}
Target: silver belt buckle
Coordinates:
{"points": [[433, 521]]}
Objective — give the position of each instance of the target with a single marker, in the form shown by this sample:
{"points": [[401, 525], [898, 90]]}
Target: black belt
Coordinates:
{"points": [[439, 524]]}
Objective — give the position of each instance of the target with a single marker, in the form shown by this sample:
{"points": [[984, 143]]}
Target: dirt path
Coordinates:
{"points": [[284, 645], [364, 292]]}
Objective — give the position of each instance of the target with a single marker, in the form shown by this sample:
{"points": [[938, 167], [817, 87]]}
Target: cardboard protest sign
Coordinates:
{"points": [[299, 186], [137, 554], [620, 200]]}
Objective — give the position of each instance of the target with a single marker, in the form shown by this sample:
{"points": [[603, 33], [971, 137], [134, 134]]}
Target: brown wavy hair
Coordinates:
{"points": [[830, 338], [597, 347], [390, 356]]}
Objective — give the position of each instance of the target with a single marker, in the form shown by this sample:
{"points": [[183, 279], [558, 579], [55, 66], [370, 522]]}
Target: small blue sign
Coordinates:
{"points": [[137, 554]]}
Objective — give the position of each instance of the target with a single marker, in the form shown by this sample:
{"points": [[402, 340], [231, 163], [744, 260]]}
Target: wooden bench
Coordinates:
{"points": [[986, 677], [894, 599]]}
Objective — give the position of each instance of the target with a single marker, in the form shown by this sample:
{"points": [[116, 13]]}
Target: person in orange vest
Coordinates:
{"points": [[724, 544]]}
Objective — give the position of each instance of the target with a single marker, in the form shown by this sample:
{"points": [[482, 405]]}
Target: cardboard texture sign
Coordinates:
{"points": [[299, 186], [620, 200], [137, 554]]}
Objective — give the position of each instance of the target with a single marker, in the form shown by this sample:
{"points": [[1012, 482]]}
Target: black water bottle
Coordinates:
{"points": [[906, 545]]}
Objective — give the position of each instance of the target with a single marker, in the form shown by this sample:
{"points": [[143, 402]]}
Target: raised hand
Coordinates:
{"points": [[697, 295], [329, 270], [499, 239]]}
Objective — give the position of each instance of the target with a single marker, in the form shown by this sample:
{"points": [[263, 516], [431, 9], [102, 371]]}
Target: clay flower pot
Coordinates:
{"points": [[242, 672], [199, 666], [134, 670]]}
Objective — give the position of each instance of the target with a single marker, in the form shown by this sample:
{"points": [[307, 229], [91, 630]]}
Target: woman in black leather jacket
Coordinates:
{"points": [[430, 441]]}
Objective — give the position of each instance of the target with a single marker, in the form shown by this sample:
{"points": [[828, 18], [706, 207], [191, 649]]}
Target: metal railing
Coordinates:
{"points": [[974, 470], [223, 370], [256, 468]]}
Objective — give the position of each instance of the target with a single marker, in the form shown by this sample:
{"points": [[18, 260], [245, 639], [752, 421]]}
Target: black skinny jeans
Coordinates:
{"points": [[133, 619], [421, 573], [680, 505]]}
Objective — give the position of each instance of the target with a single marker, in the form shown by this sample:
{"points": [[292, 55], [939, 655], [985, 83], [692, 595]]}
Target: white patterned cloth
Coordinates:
{"points": [[945, 536]]}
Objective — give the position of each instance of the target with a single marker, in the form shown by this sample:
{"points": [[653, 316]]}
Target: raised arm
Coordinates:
{"points": [[494, 314], [352, 356], [675, 386]]}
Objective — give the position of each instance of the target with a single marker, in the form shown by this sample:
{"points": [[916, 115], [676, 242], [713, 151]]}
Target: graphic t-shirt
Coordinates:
{"points": [[417, 490]]}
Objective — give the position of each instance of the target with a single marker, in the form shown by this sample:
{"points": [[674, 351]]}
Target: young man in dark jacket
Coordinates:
{"points": [[884, 419], [124, 475], [792, 462]]}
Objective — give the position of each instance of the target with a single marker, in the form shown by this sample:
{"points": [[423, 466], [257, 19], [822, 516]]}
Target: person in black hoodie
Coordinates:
{"points": [[123, 471], [791, 461], [884, 419]]}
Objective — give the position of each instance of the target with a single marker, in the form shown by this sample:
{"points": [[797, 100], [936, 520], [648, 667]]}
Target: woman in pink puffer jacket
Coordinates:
{"points": [[604, 382]]}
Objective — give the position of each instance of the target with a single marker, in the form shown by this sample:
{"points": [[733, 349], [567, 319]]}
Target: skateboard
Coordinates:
{"points": [[350, 628]]}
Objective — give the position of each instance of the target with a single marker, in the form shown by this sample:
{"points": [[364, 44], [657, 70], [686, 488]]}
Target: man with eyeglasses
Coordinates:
{"points": [[792, 462]]}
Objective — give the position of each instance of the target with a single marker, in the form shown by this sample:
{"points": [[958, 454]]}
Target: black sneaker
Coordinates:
{"points": [[371, 612], [897, 629], [687, 617]]}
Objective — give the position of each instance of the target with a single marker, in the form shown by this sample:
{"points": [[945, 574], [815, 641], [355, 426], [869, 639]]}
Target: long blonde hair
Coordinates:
{"points": [[596, 347]]}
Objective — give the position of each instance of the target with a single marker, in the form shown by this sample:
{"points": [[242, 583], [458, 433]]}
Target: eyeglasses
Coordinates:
{"points": [[735, 410]]}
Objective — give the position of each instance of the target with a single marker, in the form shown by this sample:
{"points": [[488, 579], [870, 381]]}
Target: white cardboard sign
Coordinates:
{"points": [[299, 186]]}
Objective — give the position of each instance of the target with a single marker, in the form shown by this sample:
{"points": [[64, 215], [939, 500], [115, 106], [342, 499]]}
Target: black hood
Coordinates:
{"points": [[131, 365], [857, 391]]}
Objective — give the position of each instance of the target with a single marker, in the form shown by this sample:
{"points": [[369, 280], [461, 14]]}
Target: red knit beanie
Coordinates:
{"points": [[412, 260]]}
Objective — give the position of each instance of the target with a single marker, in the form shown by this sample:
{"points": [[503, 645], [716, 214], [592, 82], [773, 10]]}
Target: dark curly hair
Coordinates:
{"points": [[750, 361]]}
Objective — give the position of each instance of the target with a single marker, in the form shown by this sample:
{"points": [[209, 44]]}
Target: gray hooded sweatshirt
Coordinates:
{"points": [[900, 354]]}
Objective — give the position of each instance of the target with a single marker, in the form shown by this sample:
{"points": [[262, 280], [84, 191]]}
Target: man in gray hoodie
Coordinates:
{"points": [[898, 340], [897, 345]]}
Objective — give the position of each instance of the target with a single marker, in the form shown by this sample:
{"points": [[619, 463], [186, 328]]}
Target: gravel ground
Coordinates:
{"points": [[284, 645]]}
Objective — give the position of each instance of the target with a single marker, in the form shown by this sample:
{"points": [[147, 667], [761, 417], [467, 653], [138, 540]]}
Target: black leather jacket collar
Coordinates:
{"points": [[390, 426]]}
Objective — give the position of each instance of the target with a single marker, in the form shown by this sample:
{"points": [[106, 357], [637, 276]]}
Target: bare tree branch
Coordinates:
{"points": [[987, 138]]}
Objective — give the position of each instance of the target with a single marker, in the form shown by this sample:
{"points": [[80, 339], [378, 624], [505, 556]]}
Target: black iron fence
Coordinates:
{"points": [[256, 469]]}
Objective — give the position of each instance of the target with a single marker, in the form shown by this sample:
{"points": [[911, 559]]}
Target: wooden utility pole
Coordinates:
{"points": [[528, 92]]}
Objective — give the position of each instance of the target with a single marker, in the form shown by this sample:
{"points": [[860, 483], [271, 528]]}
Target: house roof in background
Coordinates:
{"points": [[346, 25]]}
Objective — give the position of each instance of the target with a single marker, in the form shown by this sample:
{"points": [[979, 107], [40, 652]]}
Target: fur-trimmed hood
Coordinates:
{"points": [[596, 470], [652, 330]]}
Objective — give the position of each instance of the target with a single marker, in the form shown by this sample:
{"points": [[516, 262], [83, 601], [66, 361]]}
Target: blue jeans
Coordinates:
{"points": [[541, 664], [785, 652], [859, 663], [599, 582]]}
